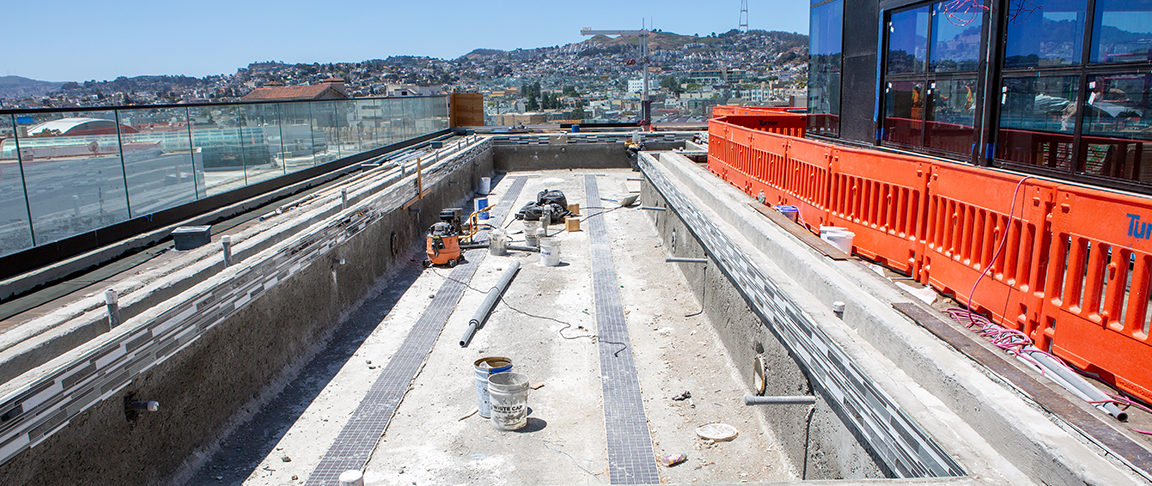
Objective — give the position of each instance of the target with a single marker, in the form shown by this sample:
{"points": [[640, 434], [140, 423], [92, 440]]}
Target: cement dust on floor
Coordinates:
{"points": [[546, 325]]}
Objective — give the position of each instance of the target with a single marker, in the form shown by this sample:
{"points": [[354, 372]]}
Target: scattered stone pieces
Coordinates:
{"points": [[683, 396], [285, 459], [537, 386], [295, 477]]}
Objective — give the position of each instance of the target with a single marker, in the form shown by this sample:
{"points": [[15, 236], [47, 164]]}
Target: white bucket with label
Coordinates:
{"points": [[841, 238], [485, 186], [486, 367], [549, 252], [509, 395]]}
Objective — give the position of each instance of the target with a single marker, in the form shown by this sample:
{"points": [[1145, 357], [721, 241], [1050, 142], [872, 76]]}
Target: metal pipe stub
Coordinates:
{"points": [[781, 400], [685, 260]]}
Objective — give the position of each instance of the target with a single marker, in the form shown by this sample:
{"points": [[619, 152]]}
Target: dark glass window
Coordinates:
{"points": [[1122, 31], [1047, 34], [1117, 127], [931, 82], [903, 113], [955, 38], [951, 114], [908, 41], [1037, 120], [824, 61]]}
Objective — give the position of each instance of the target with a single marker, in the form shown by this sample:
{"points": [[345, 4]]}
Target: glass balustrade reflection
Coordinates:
{"points": [[158, 159], [15, 229], [68, 173], [347, 128], [368, 113], [217, 137], [73, 173], [325, 123], [297, 137], [261, 142]]}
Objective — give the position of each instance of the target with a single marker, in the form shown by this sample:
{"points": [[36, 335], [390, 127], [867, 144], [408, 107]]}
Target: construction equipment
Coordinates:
{"points": [[444, 240], [472, 227]]}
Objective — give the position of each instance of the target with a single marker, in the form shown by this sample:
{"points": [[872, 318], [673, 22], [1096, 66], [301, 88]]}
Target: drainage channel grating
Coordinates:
{"points": [[356, 441], [630, 456]]}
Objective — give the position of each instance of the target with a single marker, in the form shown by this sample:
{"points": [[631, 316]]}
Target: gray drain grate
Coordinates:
{"points": [[630, 456]]}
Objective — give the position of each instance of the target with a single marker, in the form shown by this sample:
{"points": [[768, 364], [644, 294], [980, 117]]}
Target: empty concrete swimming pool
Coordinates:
{"points": [[329, 348]]}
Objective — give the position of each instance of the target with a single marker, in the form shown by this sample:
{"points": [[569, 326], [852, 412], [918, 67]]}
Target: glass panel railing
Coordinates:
{"points": [[296, 136], [15, 228], [368, 116], [324, 123], [260, 142], [158, 159], [217, 140], [73, 173], [67, 173], [348, 128]]}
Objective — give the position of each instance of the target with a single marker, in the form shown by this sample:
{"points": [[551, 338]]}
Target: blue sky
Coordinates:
{"points": [[69, 40]]}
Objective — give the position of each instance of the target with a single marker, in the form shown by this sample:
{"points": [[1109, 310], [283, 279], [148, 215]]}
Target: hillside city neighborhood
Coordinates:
{"points": [[597, 80]]}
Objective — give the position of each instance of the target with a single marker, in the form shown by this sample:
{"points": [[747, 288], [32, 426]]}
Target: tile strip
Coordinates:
{"points": [[630, 456]]}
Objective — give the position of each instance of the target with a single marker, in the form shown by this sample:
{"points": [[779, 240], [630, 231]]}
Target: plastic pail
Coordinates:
{"points": [[841, 238], [486, 367], [481, 204], [530, 228], [497, 245], [549, 252], [792, 212], [485, 186], [509, 394]]}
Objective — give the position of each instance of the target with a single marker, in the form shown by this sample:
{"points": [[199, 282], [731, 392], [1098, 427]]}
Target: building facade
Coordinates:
{"points": [[1058, 88]]}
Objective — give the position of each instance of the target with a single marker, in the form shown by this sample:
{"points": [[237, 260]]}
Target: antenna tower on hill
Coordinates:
{"points": [[744, 15]]}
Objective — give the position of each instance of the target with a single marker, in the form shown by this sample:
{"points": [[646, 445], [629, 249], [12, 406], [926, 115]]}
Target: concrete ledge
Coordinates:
{"points": [[988, 426]]}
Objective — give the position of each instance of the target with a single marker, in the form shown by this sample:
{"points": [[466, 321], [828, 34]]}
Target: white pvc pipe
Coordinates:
{"points": [[481, 314]]}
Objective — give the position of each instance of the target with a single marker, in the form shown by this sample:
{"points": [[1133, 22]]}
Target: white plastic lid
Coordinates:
{"points": [[717, 432]]}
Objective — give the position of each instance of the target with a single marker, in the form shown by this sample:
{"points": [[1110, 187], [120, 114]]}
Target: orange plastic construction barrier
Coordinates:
{"points": [[882, 198], [1096, 310], [1069, 266], [969, 212]]}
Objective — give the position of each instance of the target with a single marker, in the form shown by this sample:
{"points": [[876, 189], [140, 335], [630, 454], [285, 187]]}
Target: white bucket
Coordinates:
{"points": [[497, 245], [486, 367], [530, 228], [485, 186], [549, 252], [509, 394], [839, 237]]}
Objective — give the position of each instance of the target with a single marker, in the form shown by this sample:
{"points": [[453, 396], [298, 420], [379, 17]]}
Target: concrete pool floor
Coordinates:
{"points": [[546, 325]]}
